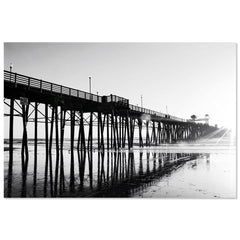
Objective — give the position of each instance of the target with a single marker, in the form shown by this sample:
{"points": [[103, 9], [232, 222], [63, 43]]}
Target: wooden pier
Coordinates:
{"points": [[112, 120]]}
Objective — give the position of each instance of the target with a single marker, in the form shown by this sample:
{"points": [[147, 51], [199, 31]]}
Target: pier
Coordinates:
{"points": [[111, 121]]}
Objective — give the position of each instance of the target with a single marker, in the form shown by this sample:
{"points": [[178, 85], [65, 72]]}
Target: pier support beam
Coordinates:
{"points": [[72, 178], [57, 151], [46, 150], [35, 148], [10, 164], [62, 126]]}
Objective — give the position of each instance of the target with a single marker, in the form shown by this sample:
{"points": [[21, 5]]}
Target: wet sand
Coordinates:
{"points": [[213, 176], [150, 172]]}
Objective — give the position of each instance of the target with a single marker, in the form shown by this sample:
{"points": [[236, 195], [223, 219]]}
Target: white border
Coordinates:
{"points": [[161, 21]]}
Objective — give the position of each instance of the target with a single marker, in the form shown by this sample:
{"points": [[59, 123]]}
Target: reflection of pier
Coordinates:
{"points": [[116, 174], [109, 119], [126, 179]]}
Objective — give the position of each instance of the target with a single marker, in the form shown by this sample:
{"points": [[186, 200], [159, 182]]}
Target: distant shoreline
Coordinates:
{"points": [[7, 149]]}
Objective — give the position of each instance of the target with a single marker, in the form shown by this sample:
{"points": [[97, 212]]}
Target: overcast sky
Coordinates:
{"points": [[188, 78]]}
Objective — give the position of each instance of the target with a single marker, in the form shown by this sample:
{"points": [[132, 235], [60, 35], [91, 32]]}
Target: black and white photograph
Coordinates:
{"points": [[132, 120], [119, 120]]}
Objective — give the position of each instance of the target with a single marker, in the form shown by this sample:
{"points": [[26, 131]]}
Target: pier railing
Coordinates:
{"points": [[158, 114], [33, 83]]}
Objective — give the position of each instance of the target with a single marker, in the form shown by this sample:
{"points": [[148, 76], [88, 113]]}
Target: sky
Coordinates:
{"points": [[181, 78]]}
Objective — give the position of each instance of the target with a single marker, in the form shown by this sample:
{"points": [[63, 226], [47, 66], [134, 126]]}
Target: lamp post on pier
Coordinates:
{"points": [[11, 67], [90, 84]]}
